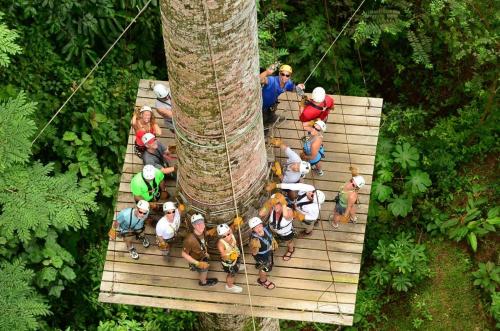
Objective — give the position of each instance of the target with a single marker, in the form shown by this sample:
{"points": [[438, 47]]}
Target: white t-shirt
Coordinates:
{"points": [[310, 210], [285, 226], [167, 230], [290, 176]]}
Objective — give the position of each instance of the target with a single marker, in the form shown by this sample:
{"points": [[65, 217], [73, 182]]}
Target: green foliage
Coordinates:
{"points": [[8, 46], [400, 263], [487, 277], [422, 310], [269, 22], [405, 155], [16, 128], [369, 303], [22, 305], [495, 307]]}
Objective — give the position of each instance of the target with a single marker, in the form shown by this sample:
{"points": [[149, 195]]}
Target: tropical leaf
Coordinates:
{"points": [[381, 191], [406, 155], [419, 181], [400, 206]]}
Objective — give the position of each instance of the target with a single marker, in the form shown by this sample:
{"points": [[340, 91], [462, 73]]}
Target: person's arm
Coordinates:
{"points": [[133, 122], [263, 75], [188, 258], [157, 130], [167, 170], [351, 207], [296, 187], [165, 112], [291, 155]]}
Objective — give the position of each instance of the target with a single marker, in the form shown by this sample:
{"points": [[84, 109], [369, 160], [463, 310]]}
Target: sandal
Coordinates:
{"points": [[288, 255], [305, 234], [267, 284]]}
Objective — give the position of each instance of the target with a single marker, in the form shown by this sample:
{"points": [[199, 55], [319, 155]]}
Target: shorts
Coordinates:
{"points": [[233, 269], [169, 125], [130, 233], [339, 209], [288, 237], [192, 267], [264, 262]]}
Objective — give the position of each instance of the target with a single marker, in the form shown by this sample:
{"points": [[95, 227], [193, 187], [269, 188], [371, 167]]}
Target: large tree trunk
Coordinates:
{"points": [[213, 67]]}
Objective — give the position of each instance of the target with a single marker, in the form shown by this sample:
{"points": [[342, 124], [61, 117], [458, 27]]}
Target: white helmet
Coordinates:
{"points": [[147, 137], [321, 124], [197, 218], [149, 172], [143, 204], [222, 229], [253, 222], [318, 94], [359, 181], [304, 168], [161, 91], [146, 108], [169, 205], [320, 196]]}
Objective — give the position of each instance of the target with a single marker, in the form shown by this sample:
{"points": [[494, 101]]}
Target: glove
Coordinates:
{"points": [[212, 232], [276, 168], [162, 245], [274, 245], [344, 219], [254, 245], [237, 221], [276, 142], [279, 198], [233, 256], [112, 233], [172, 149], [311, 123], [354, 171], [202, 265], [298, 215], [181, 208], [270, 186]]}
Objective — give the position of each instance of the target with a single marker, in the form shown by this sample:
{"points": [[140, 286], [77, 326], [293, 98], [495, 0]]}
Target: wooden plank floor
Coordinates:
{"points": [[318, 284]]}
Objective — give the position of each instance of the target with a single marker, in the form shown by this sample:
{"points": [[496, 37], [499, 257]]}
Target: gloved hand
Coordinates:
{"points": [[311, 123], [172, 149], [276, 142], [212, 232], [270, 186], [237, 221], [254, 245], [274, 245], [354, 171], [233, 256], [345, 218], [203, 265], [162, 245], [112, 233], [181, 208], [298, 215], [276, 168], [279, 198]]}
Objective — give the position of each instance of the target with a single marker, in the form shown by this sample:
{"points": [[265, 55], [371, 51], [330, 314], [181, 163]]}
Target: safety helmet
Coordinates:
{"points": [[320, 196], [359, 181], [321, 124], [146, 108], [197, 218], [253, 222], [147, 138], [149, 172], [143, 204], [318, 94], [161, 91], [305, 167], [169, 205], [286, 67], [222, 229]]}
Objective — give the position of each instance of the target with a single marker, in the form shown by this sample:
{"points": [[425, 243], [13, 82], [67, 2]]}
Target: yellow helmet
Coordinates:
{"points": [[286, 67]]}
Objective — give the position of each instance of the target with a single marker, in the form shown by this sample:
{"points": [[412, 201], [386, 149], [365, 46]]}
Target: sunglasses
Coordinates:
{"points": [[141, 212], [170, 212], [285, 75]]}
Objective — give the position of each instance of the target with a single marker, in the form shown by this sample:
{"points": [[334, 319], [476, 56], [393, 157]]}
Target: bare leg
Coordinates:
{"points": [[229, 280], [203, 276]]}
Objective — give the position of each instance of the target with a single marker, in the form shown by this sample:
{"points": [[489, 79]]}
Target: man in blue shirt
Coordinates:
{"points": [[130, 223], [272, 87]]}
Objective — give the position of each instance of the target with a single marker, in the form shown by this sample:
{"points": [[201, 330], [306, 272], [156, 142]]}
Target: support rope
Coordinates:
{"points": [[91, 71], [209, 39]]}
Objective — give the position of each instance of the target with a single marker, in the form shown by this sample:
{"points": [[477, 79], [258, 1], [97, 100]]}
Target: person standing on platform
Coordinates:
{"points": [[230, 255], [195, 251], [280, 220], [156, 154], [345, 207], [313, 150], [316, 108], [272, 87], [168, 226], [262, 245], [148, 184], [130, 223], [163, 105]]}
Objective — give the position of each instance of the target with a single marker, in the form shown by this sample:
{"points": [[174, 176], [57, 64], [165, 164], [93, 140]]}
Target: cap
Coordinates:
{"points": [[146, 108], [148, 138], [254, 221], [149, 172], [143, 204], [197, 218], [169, 205]]}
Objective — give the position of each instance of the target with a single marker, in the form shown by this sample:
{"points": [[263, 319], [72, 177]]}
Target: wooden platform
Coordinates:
{"points": [[318, 284]]}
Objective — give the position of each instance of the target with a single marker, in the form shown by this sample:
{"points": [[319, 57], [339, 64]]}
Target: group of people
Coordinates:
{"points": [[292, 200]]}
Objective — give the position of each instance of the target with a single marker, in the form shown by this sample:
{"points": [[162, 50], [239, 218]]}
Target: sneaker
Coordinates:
{"points": [[134, 254], [234, 289], [319, 172], [145, 241], [210, 282]]}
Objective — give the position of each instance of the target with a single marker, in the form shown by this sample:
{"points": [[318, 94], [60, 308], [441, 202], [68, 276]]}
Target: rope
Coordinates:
{"points": [[91, 71], [336, 38], [209, 38]]}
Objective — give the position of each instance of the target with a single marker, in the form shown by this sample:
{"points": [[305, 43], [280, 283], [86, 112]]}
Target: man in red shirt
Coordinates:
{"points": [[317, 107]]}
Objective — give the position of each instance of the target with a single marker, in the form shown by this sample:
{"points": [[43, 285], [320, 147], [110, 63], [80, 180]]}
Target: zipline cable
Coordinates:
{"points": [[209, 42], [91, 71], [336, 38]]}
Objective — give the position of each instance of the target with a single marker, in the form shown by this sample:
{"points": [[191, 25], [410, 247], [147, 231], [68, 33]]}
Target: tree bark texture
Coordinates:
{"points": [[213, 67]]}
